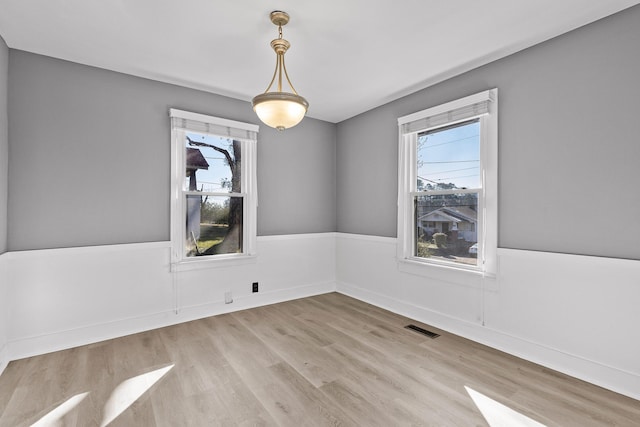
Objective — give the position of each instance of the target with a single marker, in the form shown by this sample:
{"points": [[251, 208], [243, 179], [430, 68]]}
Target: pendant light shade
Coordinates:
{"points": [[278, 109]]}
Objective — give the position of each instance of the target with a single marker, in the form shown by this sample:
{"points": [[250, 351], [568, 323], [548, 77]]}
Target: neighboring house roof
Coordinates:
{"points": [[451, 214], [195, 159], [463, 212], [439, 216]]}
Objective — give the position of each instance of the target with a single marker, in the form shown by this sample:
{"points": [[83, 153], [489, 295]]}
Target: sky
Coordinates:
{"points": [[210, 180], [450, 155]]}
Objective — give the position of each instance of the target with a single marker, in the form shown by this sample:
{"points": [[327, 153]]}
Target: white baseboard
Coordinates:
{"points": [[596, 373], [4, 347], [4, 358], [258, 300], [36, 345]]}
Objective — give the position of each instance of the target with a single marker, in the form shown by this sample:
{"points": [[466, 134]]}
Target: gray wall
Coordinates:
{"points": [[90, 150], [568, 139], [297, 179], [4, 144]]}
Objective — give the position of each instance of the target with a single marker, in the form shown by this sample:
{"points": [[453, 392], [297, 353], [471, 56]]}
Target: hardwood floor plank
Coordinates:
{"points": [[294, 346], [386, 384], [356, 405], [209, 382], [328, 360], [236, 339], [286, 395]]}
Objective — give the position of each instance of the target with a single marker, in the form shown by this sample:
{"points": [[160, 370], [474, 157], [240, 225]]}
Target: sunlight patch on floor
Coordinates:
{"points": [[128, 392], [54, 417], [498, 415]]}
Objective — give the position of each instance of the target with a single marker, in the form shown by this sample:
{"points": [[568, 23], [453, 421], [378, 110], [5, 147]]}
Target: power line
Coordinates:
{"points": [[448, 142], [426, 179], [451, 161], [213, 184], [456, 177], [452, 170], [439, 180]]}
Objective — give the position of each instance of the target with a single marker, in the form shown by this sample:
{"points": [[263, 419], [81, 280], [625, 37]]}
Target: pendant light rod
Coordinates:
{"points": [[280, 46]]}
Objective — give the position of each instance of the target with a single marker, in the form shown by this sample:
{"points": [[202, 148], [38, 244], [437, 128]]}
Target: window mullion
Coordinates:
{"points": [[209, 193], [445, 192]]}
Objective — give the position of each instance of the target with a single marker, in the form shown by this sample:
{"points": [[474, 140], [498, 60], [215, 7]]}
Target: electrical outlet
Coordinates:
{"points": [[228, 297], [255, 287]]}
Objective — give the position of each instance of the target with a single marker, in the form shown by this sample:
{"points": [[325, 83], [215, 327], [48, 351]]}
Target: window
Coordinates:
{"points": [[447, 195], [213, 214]]}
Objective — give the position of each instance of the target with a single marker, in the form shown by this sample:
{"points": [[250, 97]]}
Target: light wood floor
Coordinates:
{"points": [[325, 360]]}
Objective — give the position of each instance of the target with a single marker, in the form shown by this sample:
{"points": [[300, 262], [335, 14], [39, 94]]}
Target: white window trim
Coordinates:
{"points": [[487, 203], [248, 185]]}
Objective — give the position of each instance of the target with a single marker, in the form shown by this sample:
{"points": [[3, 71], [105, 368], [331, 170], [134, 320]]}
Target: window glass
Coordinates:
{"points": [[212, 164], [214, 225], [213, 222], [445, 227], [449, 157]]}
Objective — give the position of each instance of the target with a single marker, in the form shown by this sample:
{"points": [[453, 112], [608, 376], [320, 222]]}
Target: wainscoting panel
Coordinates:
{"points": [[62, 298], [4, 307], [575, 314]]}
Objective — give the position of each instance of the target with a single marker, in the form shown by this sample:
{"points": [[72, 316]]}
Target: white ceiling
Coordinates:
{"points": [[347, 56]]}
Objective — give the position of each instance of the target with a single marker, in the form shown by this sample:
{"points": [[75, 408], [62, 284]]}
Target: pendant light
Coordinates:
{"points": [[279, 109]]}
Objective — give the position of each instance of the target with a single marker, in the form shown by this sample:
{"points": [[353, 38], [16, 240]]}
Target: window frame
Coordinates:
{"points": [[246, 133], [487, 224]]}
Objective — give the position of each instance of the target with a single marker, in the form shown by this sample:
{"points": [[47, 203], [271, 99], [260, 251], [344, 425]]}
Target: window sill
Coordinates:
{"points": [[220, 261], [445, 273]]}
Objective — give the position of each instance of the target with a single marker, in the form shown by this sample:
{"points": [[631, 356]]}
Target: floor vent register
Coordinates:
{"points": [[422, 331]]}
